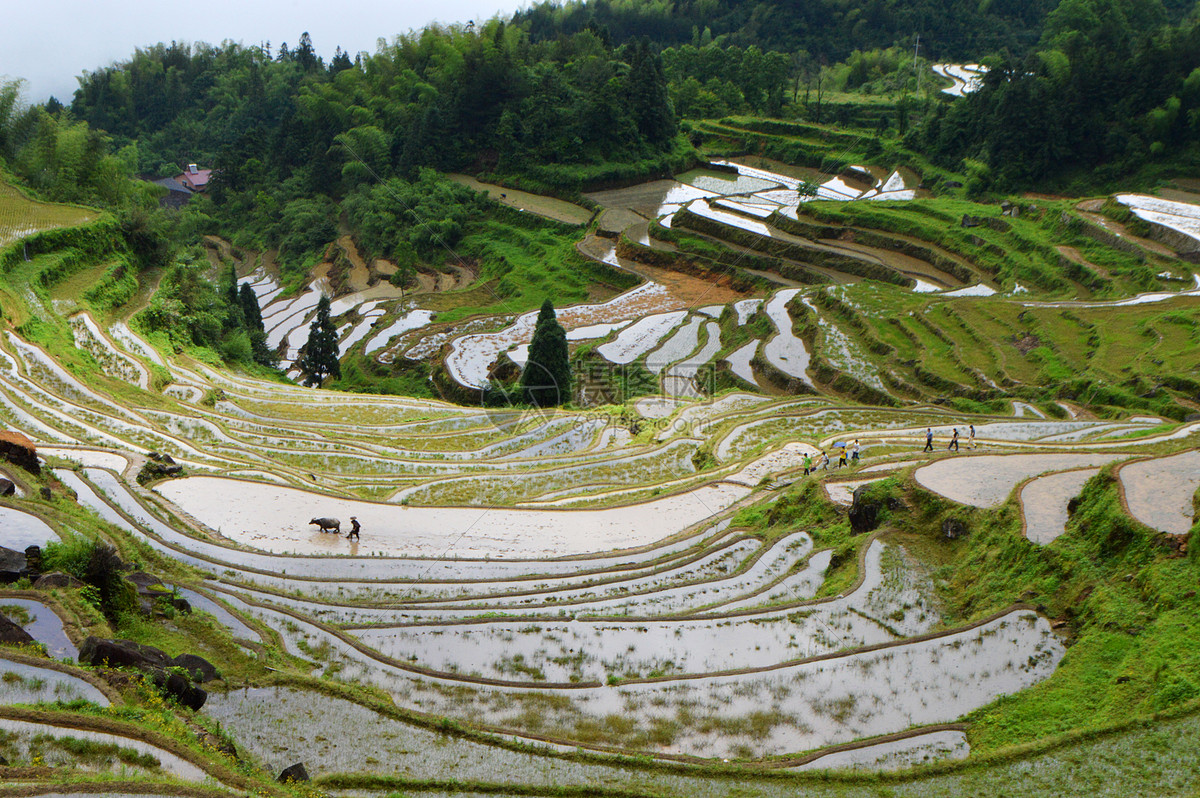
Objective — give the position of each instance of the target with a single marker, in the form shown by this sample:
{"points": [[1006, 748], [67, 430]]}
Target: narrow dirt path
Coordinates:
{"points": [[1075, 256], [1089, 210]]}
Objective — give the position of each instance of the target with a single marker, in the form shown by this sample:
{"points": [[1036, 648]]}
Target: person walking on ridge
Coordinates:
{"points": [[807, 464], [854, 448], [842, 458], [354, 527], [971, 438], [928, 439], [953, 441]]}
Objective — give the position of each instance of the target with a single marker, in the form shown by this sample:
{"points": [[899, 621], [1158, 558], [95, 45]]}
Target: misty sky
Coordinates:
{"points": [[50, 42]]}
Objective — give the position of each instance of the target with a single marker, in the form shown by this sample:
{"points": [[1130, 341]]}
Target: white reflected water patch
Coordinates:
{"points": [[413, 320], [785, 351], [640, 337], [19, 530]]}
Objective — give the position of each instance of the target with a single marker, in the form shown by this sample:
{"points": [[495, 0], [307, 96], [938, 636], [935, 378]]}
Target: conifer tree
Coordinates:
{"points": [[320, 358], [254, 325], [648, 98], [231, 287], [546, 379]]}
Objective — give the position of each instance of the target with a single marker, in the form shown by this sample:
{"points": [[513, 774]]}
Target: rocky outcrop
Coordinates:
{"points": [[149, 660], [7, 487], [20, 451], [122, 654], [151, 590], [12, 633], [13, 565], [33, 561], [295, 772], [200, 669], [56, 579], [160, 466], [864, 512]]}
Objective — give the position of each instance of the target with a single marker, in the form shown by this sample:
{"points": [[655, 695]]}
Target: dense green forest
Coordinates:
{"points": [[291, 136], [828, 29], [1112, 88], [563, 97]]}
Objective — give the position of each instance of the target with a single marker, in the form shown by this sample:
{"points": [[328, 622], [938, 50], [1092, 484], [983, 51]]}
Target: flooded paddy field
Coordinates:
{"points": [[29, 741], [1159, 491], [22, 683], [42, 624]]}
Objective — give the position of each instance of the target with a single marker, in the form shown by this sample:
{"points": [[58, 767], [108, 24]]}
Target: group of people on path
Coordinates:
{"points": [[850, 453], [953, 439], [823, 462]]}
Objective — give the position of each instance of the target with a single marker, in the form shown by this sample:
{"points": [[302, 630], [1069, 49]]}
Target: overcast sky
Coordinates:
{"points": [[50, 42]]}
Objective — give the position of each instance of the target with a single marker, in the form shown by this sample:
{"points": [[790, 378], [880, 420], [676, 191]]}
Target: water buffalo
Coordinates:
{"points": [[328, 524]]}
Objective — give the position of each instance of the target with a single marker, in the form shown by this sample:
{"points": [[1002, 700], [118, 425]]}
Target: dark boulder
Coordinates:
{"points": [[153, 662], [12, 633], [159, 469], [151, 590], [200, 669], [56, 579], [19, 450], [122, 654], [180, 688], [46, 494], [7, 487], [295, 772], [12, 565], [864, 512], [148, 584], [953, 529]]}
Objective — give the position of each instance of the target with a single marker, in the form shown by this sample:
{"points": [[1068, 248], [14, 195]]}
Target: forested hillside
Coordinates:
{"points": [[829, 29], [291, 136], [1111, 87]]}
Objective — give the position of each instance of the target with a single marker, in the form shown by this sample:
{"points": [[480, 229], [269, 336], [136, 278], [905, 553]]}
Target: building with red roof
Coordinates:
{"points": [[195, 178]]}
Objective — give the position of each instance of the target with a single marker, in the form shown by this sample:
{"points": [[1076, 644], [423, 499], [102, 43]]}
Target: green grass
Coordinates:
{"points": [[522, 265], [1129, 604]]}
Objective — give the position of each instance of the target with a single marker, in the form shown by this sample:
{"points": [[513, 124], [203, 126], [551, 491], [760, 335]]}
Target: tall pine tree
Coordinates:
{"points": [[320, 359], [646, 88], [254, 325], [546, 379]]}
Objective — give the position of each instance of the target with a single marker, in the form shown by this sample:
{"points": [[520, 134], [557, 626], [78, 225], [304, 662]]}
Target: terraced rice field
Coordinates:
{"points": [[592, 579], [21, 216], [485, 612]]}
